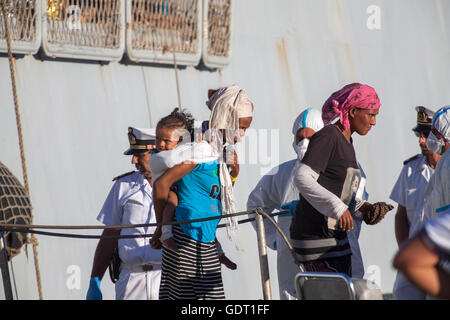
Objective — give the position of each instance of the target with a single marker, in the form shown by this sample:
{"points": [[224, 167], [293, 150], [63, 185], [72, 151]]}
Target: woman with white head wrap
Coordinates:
{"points": [[231, 114], [437, 193]]}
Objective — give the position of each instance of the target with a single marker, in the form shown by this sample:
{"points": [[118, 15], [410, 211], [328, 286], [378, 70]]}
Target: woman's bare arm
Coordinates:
{"points": [[161, 187]]}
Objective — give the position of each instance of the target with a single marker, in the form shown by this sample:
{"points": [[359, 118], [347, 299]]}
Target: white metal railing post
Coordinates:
{"points": [[263, 260]]}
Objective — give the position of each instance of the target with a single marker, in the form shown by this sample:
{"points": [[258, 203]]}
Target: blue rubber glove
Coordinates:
{"points": [[291, 207], [94, 292]]}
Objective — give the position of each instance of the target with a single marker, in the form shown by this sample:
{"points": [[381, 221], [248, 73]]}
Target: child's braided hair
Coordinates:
{"points": [[178, 119]]}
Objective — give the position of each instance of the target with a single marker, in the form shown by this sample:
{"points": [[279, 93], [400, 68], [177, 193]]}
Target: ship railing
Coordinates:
{"points": [[183, 32], [156, 30], [217, 32], [22, 17], [309, 285], [83, 29], [259, 215]]}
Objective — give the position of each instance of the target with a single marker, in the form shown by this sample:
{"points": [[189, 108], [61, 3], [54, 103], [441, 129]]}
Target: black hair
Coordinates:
{"points": [[178, 118]]}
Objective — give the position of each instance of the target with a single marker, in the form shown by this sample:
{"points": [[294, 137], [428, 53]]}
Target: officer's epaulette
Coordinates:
{"points": [[411, 159], [122, 175]]}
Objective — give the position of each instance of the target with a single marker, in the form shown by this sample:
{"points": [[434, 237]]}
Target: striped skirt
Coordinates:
{"points": [[193, 273]]}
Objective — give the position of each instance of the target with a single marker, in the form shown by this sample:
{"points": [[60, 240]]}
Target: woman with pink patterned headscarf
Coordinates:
{"points": [[328, 179], [354, 96]]}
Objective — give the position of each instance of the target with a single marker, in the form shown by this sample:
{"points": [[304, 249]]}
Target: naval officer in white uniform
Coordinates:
{"points": [[130, 202], [408, 192]]}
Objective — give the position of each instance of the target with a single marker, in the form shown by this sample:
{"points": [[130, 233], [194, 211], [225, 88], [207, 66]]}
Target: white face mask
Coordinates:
{"points": [[434, 144], [301, 148]]}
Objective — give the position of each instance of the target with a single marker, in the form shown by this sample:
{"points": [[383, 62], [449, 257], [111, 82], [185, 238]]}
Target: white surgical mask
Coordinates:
{"points": [[300, 148], [434, 144]]}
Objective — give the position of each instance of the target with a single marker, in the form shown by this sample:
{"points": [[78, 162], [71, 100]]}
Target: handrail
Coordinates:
{"points": [[259, 226], [29, 228]]}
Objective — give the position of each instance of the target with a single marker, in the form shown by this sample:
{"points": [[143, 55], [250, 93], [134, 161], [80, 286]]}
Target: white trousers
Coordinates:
{"points": [[142, 285]]}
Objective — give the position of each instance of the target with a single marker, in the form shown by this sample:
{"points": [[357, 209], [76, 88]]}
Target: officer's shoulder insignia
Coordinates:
{"points": [[411, 159], [122, 175]]}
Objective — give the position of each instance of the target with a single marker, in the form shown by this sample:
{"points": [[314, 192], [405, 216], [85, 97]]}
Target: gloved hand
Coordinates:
{"points": [[94, 292], [374, 213], [290, 206]]}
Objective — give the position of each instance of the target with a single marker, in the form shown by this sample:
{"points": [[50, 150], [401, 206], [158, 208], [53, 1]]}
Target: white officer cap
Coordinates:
{"points": [[141, 140], [441, 122]]}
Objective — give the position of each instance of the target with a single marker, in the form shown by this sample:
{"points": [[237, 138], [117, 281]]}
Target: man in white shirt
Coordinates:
{"points": [[130, 202], [437, 193], [409, 192]]}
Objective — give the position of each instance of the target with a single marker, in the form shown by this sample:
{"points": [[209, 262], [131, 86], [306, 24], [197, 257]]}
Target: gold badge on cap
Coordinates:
{"points": [[131, 137], [422, 117]]}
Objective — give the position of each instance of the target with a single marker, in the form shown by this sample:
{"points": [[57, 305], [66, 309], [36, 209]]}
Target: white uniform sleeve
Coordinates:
{"points": [[130, 203], [111, 212], [266, 196], [138, 209], [398, 193], [320, 198]]}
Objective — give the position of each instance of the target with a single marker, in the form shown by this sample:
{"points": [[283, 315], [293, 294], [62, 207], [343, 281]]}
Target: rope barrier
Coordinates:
{"points": [[260, 214], [26, 228], [19, 129]]}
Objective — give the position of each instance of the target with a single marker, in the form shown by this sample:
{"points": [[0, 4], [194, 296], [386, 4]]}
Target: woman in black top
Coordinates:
{"points": [[328, 178]]}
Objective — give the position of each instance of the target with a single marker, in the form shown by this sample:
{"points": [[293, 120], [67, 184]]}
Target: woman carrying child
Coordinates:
{"points": [[195, 169]]}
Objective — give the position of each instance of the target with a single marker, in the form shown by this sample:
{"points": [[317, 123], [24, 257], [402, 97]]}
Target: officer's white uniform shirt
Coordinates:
{"points": [[409, 191], [274, 190], [130, 202], [437, 193]]}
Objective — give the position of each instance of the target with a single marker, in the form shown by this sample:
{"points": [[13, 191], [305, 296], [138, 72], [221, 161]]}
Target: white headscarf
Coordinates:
{"points": [[441, 121], [227, 105], [309, 118]]}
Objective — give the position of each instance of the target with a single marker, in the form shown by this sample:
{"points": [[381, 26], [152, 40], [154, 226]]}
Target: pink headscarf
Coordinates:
{"points": [[353, 95]]}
